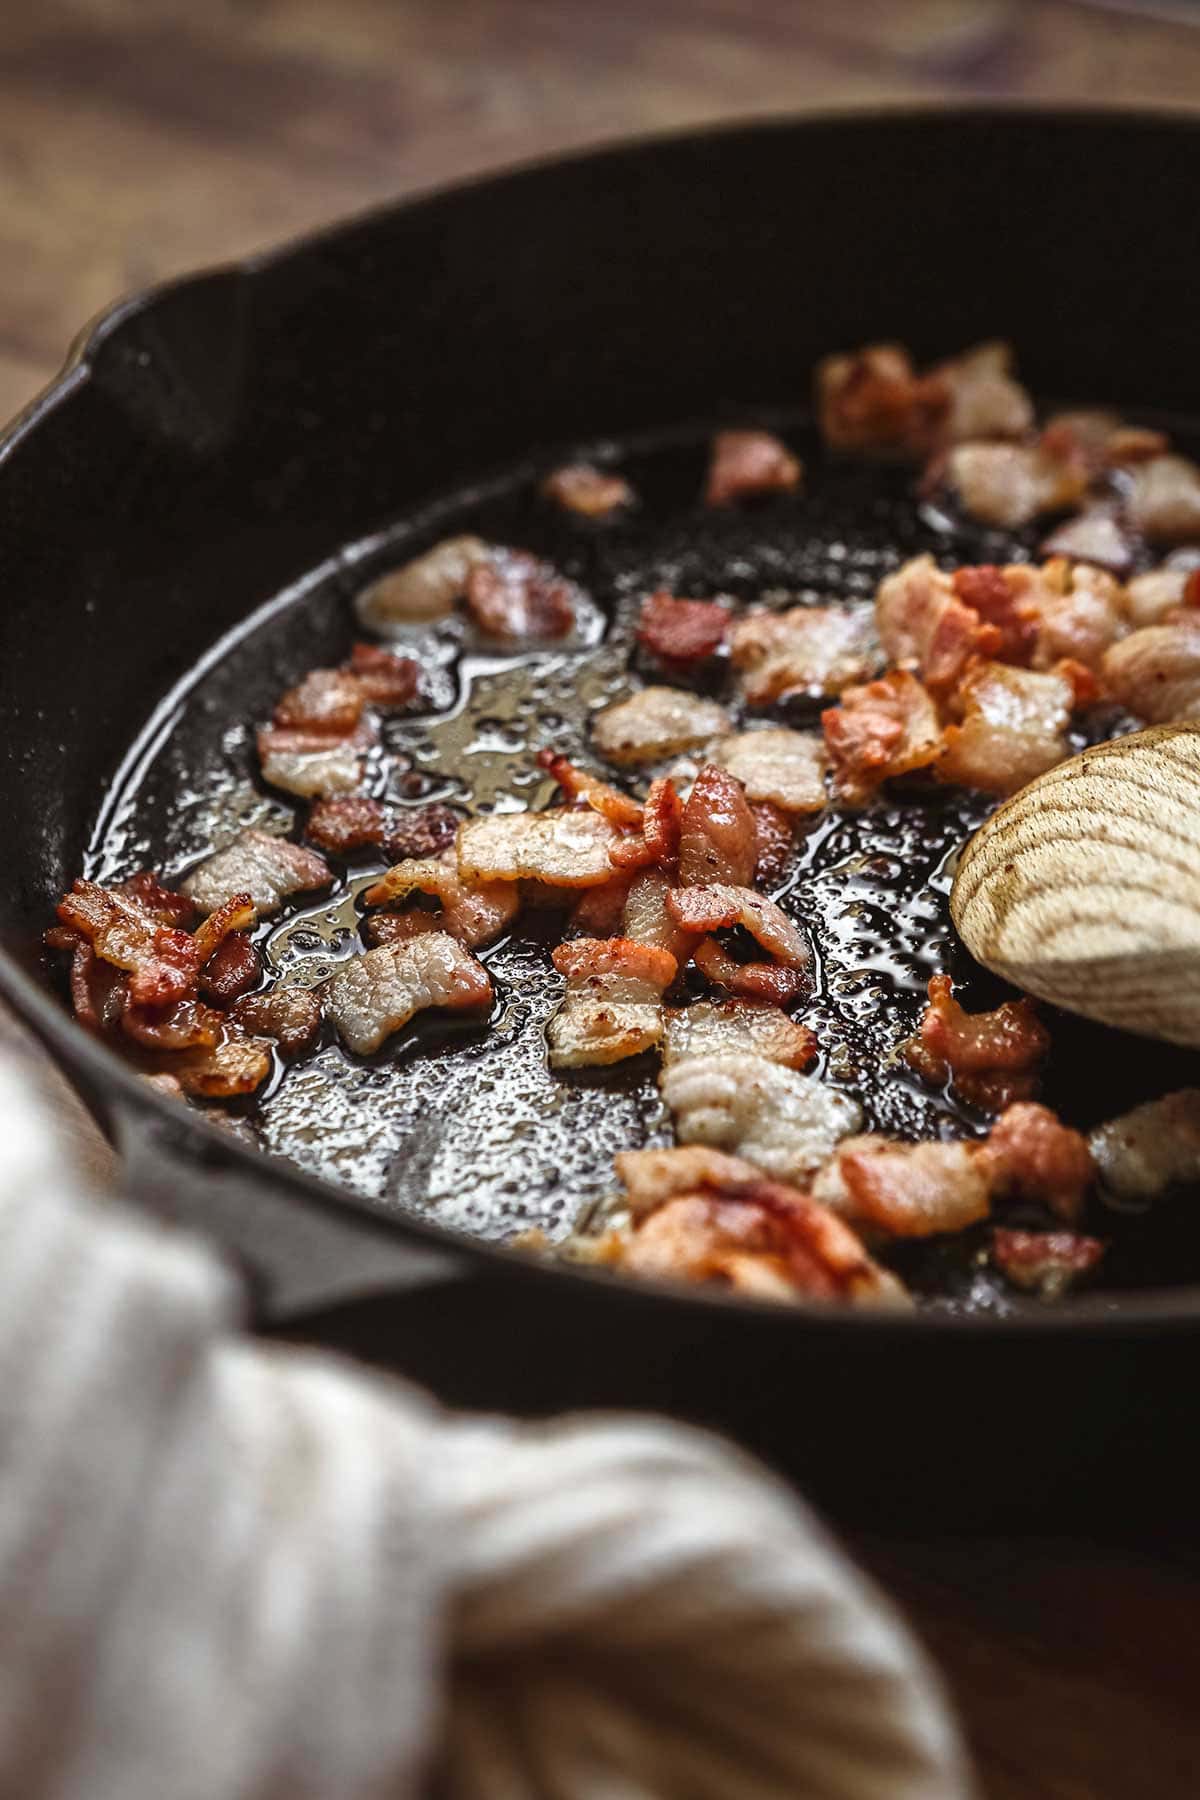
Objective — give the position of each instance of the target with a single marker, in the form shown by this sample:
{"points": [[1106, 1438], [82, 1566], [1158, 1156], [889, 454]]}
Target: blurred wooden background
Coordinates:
{"points": [[139, 138]]}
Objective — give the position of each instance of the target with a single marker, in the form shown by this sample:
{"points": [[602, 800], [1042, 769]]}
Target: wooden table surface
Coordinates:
{"points": [[139, 138]]}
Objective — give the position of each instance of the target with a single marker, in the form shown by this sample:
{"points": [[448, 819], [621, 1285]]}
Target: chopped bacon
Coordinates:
{"points": [[1135, 444], [985, 400], [289, 1014], [612, 1007], [515, 596], [925, 623], [353, 822], [1007, 485], [423, 590], [1080, 610], [1046, 1263], [232, 970], [646, 919], [767, 982], [183, 1025], [631, 968], [583, 488], [233, 1066], [1092, 536], [162, 961], [718, 836], [1153, 1148], [564, 846], [373, 995], [908, 1190], [237, 913], [993, 1057], [784, 767], [741, 1027], [1013, 725], [785, 1123], [599, 910], [1150, 597], [678, 632], [996, 599], [746, 464], [382, 678], [661, 828], [313, 764], [98, 989], [162, 903], [578, 785], [265, 868], [775, 834], [657, 722], [399, 927], [473, 912], [804, 650], [1164, 500], [1155, 672], [887, 728], [327, 700], [719, 904], [1036, 1157], [874, 400]]}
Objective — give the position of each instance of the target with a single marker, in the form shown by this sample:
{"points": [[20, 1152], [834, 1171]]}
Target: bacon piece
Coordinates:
{"points": [[578, 785], [1150, 597], [287, 1013], [564, 846], [1013, 721], [1092, 536], [767, 982], [599, 910], [516, 597], [646, 919], [661, 829], [1000, 599], [313, 764], [719, 904], [775, 834], [805, 650], [908, 1190], [238, 913], [583, 488], [784, 1123], [874, 400], [384, 679], [1046, 1263], [993, 1057], [1007, 485], [612, 1007], [352, 822], [162, 903], [743, 1028], [1164, 500], [98, 989], [373, 995], [1134, 444], [1153, 1148], [747, 464], [183, 1025], [327, 700], [234, 1066], [1090, 428], [265, 868], [423, 590], [655, 723], [162, 961], [926, 624], [1035, 1156], [1155, 672], [784, 767], [718, 836], [1078, 611], [679, 632], [399, 927], [232, 970], [985, 400], [474, 913], [887, 728]]}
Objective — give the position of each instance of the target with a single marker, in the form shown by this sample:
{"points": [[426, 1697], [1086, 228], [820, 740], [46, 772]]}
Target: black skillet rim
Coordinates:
{"points": [[1159, 1310]]}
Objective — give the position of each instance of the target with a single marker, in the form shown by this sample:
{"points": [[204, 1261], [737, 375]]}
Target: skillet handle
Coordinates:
{"points": [[297, 1251]]}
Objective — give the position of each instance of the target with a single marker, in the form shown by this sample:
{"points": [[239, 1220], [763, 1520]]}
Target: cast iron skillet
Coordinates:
{"points": [[209, 442]]}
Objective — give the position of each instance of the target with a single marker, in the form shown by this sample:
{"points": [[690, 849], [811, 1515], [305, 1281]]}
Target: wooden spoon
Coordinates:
{"points": [[1084, 888]]}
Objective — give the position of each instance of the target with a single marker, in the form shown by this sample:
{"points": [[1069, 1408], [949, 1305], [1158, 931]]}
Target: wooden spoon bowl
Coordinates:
{"points": [[1084, 888]]}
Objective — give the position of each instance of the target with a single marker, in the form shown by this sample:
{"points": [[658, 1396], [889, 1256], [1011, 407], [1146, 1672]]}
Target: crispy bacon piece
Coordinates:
{"points": [[998, 601], [583, 488], [874, 400], [238, 913], [661, 828], [786, 768], [1078, 611], [985, 400], [162, 903], [1035, 1156], [516, 597], [564, 846], [751, 981], [1153, 1148], [1155, 672], [423, 590], [183, 1025], [612, 1008], [233, 1066], [578, 785], [599, 910], [162, 961], [804, 650], [1007, 485], [887, 728], [353, 822], [655, 723], [232, 970], [1046, 1263], [1164, 500], [373, 995], [1013, 725], [1150, 597], [646, 920], [681, 632], [1092, 536], [926, 624], [265, 868], [776, 836], [993, 1057], [98, 988], [399, 927], [288, 1014], [745, 1028], [718, 836], [313, 764], [327, 700], [908, 1190], [473, 912], [747, 464], [384, 679], [785, 1124], [719, 904]]}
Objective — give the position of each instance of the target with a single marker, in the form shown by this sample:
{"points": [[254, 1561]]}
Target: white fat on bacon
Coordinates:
{"points": [[775, 764], [1013, 721], [646, 919], [1150, 1149], [423, 590], [1007, 485], [311, 763], [1155, 672], [1164, 499], [805, 650], [655, 723], [266, 867], [373, 995], [1148, 597], [612, 1008], [1092, 536], [741, 1028], [907, 1190], [784, 1123], [472, 912], [1079, 609], [563, 846], [718, 904], [985, 399]]}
